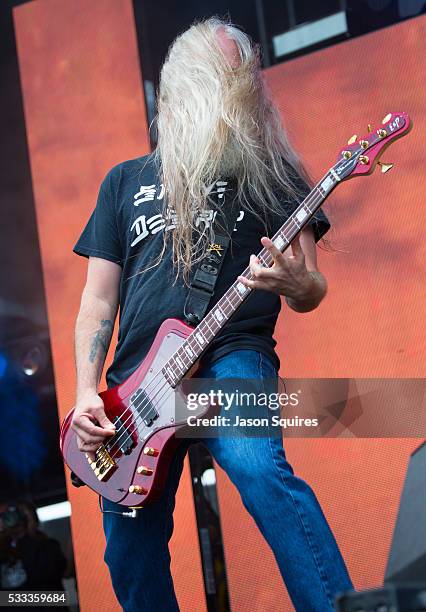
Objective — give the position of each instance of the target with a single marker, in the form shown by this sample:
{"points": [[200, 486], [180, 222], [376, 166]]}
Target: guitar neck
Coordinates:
{"points": [[202, 336]]}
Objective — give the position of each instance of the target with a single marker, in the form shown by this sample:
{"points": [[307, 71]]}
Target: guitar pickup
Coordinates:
{"points": [[124, 442], [144, 407]]}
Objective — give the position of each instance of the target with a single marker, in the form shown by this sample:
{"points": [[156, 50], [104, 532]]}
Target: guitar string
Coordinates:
{"points": [[311, 198], [157, 379]]}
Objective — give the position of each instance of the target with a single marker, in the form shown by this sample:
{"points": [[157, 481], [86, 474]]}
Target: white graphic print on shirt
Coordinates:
{"points": [[143, 226], [147, 193]]}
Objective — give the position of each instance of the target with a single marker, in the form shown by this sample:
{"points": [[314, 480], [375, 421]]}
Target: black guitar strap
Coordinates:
{"points": [[207, 270]]}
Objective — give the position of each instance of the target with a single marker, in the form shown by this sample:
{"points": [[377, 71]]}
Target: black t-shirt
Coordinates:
{"points": [[127, 228]]}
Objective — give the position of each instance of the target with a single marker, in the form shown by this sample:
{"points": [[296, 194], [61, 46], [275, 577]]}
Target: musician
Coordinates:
{"points": [[217, 131]]}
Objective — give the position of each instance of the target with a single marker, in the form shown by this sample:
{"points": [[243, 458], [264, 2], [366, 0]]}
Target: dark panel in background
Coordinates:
{"points": [[158, 23], [30, 463], [368, 15]]}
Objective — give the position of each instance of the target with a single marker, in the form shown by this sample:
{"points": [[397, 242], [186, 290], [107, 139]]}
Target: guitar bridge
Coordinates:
{"points": [[102, 464]]}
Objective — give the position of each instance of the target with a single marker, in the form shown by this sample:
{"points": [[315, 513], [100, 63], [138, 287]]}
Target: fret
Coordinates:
{"points": [[204, 333], [236, 295], [241, 289], [267, 258], [335, 175], [227, 299], [205, 322], [218, 314], [169, 374], [195, 348], [307, 207], [280, 241], [188, 350], [228, 311], [223, 307], [200, 338], [179, 362], [172, 364], [301, 214], [327, 184], [181, 354], [321, 192], [211, 320]]}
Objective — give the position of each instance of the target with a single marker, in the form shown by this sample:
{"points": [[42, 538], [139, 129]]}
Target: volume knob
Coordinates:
{"points": [[142, 469], [137, 490]]}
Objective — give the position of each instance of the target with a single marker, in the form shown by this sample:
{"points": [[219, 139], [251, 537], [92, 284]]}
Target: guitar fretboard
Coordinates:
{"points": [[202, 336]]}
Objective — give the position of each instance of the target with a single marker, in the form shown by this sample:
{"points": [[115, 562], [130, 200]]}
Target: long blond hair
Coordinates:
{"points": [[214, 117]]}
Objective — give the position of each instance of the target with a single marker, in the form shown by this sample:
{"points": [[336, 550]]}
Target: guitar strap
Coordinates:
{"points": [[207, 270]]}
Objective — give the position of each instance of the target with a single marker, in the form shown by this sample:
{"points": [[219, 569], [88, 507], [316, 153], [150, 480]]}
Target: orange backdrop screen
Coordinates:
{"points": [[85, 112], [371, 323]]}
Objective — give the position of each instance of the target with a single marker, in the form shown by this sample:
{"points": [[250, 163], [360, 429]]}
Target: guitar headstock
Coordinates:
{"points": [[363, 154]]}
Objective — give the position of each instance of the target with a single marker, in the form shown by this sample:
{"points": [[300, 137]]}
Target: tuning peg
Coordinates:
{"points": [[352, 139], [387, 118], [369, 128], [385, 167]]}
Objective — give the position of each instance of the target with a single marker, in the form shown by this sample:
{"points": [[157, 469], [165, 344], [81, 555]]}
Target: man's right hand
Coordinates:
{"points": [[91, 424]]}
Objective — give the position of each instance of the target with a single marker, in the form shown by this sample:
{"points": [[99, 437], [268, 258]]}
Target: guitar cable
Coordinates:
{"points": [[133, 514]]}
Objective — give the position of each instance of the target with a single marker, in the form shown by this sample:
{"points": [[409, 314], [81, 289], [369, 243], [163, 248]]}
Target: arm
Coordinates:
{"points": [[93, 331], [313, 287], [293, 274]]}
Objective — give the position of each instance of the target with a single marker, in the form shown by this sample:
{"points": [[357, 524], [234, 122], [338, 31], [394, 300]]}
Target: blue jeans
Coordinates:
{"points": [[284, 507]]}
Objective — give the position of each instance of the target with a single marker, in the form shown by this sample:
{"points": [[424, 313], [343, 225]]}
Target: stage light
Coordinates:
{"points": [[54, 512], [208, 478], [3, 365], [33, 361]]}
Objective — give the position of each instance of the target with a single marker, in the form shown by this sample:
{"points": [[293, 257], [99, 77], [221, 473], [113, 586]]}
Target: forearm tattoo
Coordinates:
{"points": [[101, 340]]}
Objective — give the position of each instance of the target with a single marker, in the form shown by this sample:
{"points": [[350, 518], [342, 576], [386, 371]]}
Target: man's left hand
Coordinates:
{"points": [[288, 276]]}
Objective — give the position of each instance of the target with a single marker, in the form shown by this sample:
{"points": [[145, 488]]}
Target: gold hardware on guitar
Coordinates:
{"points": [[352, 139], [364, 159], [146, 471], [102, 464], [385, 167], [137, 490], [152, 452]]}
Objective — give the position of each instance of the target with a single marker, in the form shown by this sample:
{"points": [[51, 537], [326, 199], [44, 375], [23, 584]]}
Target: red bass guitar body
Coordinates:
{"points": [[132, 470]]}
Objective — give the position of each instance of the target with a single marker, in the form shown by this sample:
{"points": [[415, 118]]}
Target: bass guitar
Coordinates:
{"points": [[131, 467]]}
